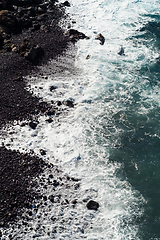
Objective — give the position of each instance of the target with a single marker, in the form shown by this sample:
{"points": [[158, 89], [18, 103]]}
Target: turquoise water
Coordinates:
{"points": [[128, 95]]}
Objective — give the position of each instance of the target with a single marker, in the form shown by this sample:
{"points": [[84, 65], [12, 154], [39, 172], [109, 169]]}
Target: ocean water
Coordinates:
{"points": [[111, 138]]}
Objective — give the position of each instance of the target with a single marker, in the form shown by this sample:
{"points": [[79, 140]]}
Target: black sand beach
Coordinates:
{"points": [[29, 36]]}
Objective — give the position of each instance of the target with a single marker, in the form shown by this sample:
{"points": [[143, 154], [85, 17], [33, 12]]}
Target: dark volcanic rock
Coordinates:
{"points": [[16, 102], [49, 120], [52, 88], [33, 125], [121, 52], [101, 38], [67, 4], [75, 35], [92, 205], [69, 103], [42, 152], [51, 198]]}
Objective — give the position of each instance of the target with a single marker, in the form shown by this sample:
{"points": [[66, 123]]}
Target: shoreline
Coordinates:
{"points": [[18, 171]]}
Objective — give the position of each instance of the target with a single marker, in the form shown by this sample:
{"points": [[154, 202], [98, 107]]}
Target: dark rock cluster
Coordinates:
{"points": [[75, 35], [29, 36]]}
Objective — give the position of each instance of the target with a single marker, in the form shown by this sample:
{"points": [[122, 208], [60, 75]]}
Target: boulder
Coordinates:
{"points": [[69, 103], [121, 52], [42, 152], [100, 38], [7, 18], [67, 4], [92, 205], [88, 57], [51, 198], [33, 125], [75, 35]]}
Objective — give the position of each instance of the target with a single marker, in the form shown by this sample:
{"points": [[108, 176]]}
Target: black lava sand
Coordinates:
{"points": [[15, 102], [17, 170]]}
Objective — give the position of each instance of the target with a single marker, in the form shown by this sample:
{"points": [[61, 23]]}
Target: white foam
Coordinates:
{"points": [[80, 140]]}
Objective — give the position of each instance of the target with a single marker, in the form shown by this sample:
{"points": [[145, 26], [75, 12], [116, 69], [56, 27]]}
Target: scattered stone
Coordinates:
{"points": [[33, 125], [55, 183], [88, 57], [75, 35], [53, 219], [42, 152], [69, 103], [74, 201], [59, 103], [45, 198], [51, 198], [67, 4], [121, 52], [74, 179], [100, 38], [52, 88], [92, 205], [50, 112], [49, 120]]}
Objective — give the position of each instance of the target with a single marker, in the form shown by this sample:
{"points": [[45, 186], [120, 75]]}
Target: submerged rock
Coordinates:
{"points": [[121, 52], [100, 38]]}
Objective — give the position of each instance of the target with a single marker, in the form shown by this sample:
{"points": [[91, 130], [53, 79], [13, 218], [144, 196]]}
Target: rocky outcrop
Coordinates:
{"points": [[75, 35]]}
